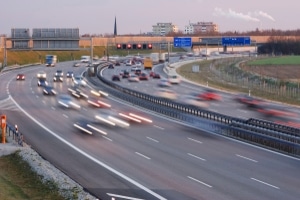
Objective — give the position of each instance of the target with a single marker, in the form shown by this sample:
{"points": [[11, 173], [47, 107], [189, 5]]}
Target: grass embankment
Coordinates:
{"points": [[19, 182], [284, 66]]}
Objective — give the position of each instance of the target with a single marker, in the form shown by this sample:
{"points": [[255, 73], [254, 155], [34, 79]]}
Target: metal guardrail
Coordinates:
{"points": [[16, 135], [267, 134]]}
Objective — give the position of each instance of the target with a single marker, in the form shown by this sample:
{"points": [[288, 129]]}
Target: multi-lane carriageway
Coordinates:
{"points": [[159, 160]]}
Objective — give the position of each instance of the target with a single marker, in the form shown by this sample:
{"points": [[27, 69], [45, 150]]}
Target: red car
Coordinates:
{"points": [[143, 76], [20, 77], [210, 95]]}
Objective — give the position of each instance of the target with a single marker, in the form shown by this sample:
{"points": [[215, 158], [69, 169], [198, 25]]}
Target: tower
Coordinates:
{"points": [[115, 28]]}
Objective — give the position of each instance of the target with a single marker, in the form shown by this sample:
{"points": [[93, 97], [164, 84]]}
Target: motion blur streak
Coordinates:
{"points": [[96, 129], [83, 129], [139, 117], [131, 118]]}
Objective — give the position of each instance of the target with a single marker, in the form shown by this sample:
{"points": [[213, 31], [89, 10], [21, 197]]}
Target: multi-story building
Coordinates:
{"points": [[201, 27], [164, 28]]}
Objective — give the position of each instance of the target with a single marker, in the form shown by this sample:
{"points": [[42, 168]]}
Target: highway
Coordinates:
{"points": [[159, 160]]}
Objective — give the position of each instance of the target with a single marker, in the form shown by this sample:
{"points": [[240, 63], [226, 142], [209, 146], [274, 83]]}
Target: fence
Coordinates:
{"points": [[13, 133]]}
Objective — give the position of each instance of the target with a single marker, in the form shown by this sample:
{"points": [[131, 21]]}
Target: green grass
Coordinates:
{"points": [[19, 182], [281, 60]]}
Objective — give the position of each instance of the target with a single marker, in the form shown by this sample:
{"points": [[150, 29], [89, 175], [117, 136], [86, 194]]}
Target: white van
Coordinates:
{"points": [[174, 79]]}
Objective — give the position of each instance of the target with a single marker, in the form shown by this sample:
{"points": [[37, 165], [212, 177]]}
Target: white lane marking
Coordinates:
{"points": [[53, 108], [196, 156], [122, 197], [246, 158], [36, 96], [142, 155], [130, 180], [199, 181], [265, 183], [107, 138], [152, 139], [159, 127], [66, 116], [195, 140]]}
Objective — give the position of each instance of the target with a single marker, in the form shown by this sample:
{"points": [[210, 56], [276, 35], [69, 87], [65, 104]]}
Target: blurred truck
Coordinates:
{"points": [[155, 58], [148, 64], [162, 57]]}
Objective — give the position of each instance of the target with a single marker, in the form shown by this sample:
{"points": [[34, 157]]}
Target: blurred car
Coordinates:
{"points": [[67, 101], [174, 79], [138, 64], [77, 92], [111, 118], [210, 95], [41, 74], [111, 66], [49, 90], [276, 111], [249, 100], [42, 82], [125, 73], [97, 102], [20, 77], [137, 72], [70, 74], [166, 93], [151, 73], [115, 78], [164, 83], [194, 100], [58, 78], [133, 78], [143, 76], [59, 73], [134, 68], [118, 63], [76, 64], [156, 76], [88, 127], [78, 80]]}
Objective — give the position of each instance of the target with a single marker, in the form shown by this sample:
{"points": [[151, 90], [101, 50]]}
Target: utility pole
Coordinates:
{"points": [[5, 54], [91, 60]]}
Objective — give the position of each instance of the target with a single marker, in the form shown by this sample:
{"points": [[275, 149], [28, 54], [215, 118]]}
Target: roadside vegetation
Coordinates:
{"points": [[273, 78], [19, 182]]}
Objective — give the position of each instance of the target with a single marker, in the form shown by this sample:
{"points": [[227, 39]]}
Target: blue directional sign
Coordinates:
{"points": [[236, 41], [182, 42]]}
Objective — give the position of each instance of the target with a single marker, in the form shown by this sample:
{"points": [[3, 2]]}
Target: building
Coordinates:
{"points": [[164, 28], [201, 27]]}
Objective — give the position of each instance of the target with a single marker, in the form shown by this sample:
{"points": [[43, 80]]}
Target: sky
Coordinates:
{"points": [[138, 16]]}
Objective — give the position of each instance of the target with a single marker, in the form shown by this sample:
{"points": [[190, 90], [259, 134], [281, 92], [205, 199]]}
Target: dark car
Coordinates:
{"points": [[118, 63], [249, 101], [77, 92], [49, 90], [42, 82], [59, 73], [58, 78], [155, 75], [20, 77], [138, 72], [111, 66], [125, 74], [115, 78], [70, 74]]}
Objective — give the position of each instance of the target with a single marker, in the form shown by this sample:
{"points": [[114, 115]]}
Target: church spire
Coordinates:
{"points": [[115, 28]]}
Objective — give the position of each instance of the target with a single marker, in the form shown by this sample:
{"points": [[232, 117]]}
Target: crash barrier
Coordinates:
{"points": [[12, 131], [270, 135]]}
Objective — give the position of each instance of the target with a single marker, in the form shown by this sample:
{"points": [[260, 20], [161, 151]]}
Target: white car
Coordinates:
{"points": [[133, 78], [78, 80], [174, 79], [41, 74], [165, 93], [164, 83]]}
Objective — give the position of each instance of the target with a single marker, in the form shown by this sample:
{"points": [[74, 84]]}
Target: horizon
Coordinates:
{"points": [[138, 16]]}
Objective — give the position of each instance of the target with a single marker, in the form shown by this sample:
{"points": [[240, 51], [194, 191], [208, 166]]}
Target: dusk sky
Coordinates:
{"points": [[138, 16]]}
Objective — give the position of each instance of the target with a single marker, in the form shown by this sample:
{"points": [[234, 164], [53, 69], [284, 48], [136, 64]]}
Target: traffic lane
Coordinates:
{"points": [[74, 164], [228, 159], [68, 130]]}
